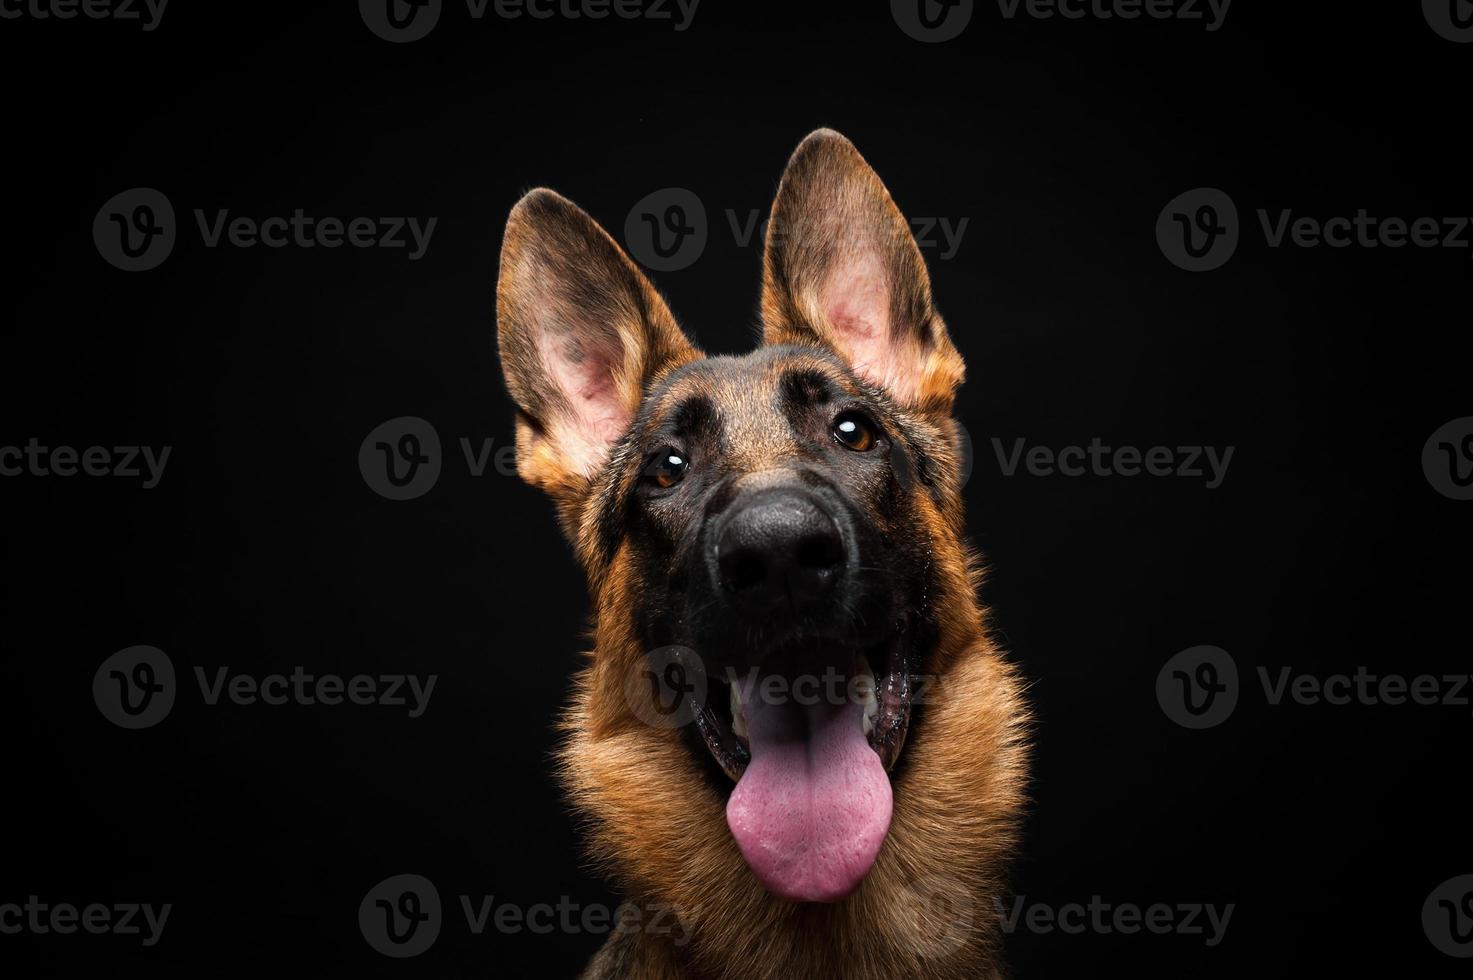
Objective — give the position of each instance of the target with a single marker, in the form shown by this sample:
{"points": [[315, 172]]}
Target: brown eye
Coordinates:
{"points": [[855, 432], [666, 468]]}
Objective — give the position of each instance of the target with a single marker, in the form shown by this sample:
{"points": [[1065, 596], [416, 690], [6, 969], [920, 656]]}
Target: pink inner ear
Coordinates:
{"points": [[584, 369], [855, 300]]}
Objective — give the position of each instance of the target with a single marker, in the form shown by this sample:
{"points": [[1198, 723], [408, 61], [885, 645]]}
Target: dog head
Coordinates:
{"points": [[788, 521]]}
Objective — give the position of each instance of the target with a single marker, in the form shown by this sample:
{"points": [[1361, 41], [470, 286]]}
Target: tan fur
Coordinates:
{"points": [[654, 824]]}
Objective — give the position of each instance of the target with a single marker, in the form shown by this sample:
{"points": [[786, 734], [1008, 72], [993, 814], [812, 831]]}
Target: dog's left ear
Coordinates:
{"points": [[842, 269]]}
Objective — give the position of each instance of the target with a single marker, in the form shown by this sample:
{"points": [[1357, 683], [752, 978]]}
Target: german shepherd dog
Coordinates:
{"points": [[844, 794]]}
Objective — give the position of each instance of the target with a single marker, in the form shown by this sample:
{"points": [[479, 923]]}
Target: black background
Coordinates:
{"points": [[1060, 141]]}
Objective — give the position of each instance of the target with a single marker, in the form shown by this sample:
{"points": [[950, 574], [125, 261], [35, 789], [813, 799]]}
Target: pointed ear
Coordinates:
{"points": [[581, 333], [842, 270]]}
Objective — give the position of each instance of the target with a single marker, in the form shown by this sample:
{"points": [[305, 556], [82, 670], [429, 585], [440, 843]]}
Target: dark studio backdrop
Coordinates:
{"points": [[1041, 152]]}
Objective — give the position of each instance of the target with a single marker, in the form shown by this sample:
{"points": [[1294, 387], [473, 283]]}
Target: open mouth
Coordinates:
{"points": [[809, 739]]}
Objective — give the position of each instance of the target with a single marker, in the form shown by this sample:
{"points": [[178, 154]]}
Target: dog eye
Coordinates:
{"points": [[855, 432], [666, 468]]}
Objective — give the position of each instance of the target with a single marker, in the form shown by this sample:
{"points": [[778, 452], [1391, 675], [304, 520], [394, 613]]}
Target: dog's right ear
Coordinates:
{"points": [[581, 333], [842, 270]]}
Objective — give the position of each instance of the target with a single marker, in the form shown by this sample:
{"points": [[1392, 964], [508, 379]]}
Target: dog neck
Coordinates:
{"points": [[928, 908]]}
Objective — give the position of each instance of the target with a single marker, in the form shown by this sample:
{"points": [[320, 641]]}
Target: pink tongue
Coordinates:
{"points": [[813, 806]]}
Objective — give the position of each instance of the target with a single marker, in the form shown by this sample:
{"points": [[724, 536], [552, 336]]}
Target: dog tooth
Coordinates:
{"points": [[738, 717], [864, 685]]}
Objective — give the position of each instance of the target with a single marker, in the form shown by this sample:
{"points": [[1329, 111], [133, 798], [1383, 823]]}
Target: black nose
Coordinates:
{"points": [[780, 548]]}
